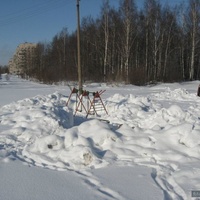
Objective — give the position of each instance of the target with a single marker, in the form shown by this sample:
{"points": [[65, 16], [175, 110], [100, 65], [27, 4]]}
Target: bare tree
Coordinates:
{"points": [[156, 44], [128, 13], [194, 26], [105, 26]]}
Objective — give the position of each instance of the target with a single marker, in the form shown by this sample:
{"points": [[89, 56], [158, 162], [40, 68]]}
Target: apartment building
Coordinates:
{"points": [[23, 58]]}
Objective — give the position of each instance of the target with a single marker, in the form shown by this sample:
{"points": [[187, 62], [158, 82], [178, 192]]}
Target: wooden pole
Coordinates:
{"points": [[80, 82]]}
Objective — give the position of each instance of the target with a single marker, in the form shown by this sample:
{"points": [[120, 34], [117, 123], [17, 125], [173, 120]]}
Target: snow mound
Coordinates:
{"points": [[129, 109], [165, 137], [73, 148], [31, 119], [176, 95]]}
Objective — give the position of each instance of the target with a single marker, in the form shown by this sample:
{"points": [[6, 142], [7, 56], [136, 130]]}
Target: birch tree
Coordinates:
{"points": [[128, 13], [194, 24], [191, 28], [105, 26]]}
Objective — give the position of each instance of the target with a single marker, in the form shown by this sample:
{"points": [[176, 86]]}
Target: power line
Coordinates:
{"points": [[32, 11], [25, 9]]}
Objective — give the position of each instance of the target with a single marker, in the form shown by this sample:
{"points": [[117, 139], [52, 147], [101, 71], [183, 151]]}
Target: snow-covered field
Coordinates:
{"points": [[149, 150]]}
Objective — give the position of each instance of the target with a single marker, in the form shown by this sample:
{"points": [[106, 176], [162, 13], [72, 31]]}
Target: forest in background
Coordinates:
{"points": [[155, 43], [4, 69]]}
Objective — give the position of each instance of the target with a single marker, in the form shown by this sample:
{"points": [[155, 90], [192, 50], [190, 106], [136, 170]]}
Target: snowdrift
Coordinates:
{"points": [[160, 131]]}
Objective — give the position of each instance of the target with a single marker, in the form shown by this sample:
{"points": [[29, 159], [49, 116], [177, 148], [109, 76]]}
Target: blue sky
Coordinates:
{"points": [[40, 20]]}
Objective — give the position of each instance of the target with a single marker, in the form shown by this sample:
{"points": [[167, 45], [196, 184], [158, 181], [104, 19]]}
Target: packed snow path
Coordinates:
{"points": [[161, 130]]}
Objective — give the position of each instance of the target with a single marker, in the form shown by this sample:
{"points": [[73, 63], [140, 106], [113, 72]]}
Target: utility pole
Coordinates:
{"points": [[80, 82]]}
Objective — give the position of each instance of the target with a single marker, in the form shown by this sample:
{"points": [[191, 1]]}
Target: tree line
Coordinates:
{"points": [[4, 69], [134, 45]]}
